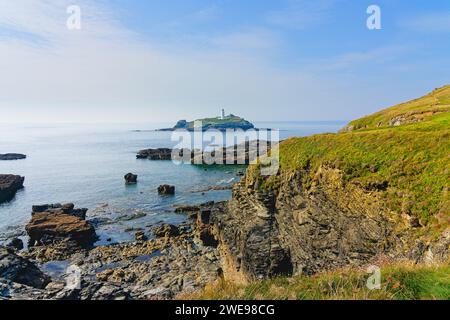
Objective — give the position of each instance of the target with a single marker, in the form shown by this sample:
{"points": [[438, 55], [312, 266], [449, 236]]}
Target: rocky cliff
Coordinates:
{"points": [[341, 200]]}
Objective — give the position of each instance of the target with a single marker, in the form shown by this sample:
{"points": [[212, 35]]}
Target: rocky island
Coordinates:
{"points": [[221, 123], [12, 156]]}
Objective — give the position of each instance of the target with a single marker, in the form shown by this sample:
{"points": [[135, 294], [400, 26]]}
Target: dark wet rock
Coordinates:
{"points": [[187, 209], [194, 208], [207, 237], [130, 178], [15, 243], [155, 154], [20, 270], [166, 189], [12, 156], [9, 185], [50, 223], [140, 236], [204, 217], [214, 188], [166, 230]]}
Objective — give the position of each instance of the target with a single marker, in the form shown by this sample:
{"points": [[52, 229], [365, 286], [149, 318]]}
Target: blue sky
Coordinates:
{"points": [[154, 61]]}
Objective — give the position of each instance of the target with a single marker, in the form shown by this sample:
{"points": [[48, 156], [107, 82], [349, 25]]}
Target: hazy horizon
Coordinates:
{"points": [[153, 62]]}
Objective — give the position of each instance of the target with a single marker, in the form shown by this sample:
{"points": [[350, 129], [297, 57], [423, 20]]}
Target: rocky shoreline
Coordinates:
{"points": [[179, 259], [9, 185]]}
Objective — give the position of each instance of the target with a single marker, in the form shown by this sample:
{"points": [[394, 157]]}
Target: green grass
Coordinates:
{"points": [[421, 109], [398, 282], [414, 159]]}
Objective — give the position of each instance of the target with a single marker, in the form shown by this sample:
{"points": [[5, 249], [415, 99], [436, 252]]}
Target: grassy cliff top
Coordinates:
{"points": [[399, 282], [412, 159], [416, 110]]}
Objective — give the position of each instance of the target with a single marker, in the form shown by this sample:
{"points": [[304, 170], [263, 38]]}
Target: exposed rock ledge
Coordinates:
{"points": [[9, 185], [56, 222]]}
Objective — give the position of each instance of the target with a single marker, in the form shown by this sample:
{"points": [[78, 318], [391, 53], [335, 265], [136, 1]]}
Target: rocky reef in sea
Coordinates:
{"points": [[9, 185]]}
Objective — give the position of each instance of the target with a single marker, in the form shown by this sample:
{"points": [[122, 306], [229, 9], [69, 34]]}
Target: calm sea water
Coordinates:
{"points": [[85, 164]]}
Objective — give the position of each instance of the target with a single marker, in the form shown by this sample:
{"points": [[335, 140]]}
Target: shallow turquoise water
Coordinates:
{"points": [[85, 164]]}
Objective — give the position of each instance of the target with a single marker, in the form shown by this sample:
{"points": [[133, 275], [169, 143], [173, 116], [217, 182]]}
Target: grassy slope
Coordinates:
{"points": [[398, 282], [413, 158], [419, 109]]}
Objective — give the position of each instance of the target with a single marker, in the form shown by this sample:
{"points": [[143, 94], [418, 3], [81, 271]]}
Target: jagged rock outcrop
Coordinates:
{"points": [[12, 156], [20, 270], [309, 225], [9, 185], [52, 223]]}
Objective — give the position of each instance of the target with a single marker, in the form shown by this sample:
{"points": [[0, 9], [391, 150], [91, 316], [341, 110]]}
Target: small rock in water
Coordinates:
{"points": [[130, 178], [166, 189]]}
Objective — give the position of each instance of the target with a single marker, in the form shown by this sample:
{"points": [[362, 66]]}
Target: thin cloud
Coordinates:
{"points": [[353, 60], [430, 22], [302, 14]]}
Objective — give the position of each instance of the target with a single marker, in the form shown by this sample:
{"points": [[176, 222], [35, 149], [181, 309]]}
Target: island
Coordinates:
{"points": [[221, 123], [12, 156]]}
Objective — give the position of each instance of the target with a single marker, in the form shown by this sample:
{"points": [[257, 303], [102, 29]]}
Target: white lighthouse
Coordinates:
{"points": [[222, 115]]}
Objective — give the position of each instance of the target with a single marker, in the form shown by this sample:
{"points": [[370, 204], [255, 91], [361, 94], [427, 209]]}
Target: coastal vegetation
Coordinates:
{"points": [[398, 282], [402, 152]]}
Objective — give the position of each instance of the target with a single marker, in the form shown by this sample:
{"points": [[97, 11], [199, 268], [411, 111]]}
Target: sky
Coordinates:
{"points": [[270, 60]]}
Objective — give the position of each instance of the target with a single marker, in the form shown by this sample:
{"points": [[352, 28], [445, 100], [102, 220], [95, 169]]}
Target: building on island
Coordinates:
{"points": [[222, 115]]}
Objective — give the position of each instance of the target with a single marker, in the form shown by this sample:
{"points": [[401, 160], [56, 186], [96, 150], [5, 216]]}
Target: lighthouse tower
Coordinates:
{"points": [[222, 115]]}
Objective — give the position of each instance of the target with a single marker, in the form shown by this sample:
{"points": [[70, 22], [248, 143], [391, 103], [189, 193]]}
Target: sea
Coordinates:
{"points": [[85, 164]]}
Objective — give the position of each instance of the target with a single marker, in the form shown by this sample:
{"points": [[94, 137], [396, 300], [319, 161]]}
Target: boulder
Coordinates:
{"points": [[15, 243], [51, 223], [9, 184], [12, 156], [166, 189], [166, 230], [130, 178], [20, 270]]}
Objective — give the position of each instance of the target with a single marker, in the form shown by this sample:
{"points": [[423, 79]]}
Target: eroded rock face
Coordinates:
{"points": [[9, 185], [53, 223], [303, 228], [20, 270]]}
